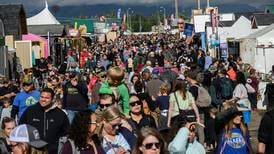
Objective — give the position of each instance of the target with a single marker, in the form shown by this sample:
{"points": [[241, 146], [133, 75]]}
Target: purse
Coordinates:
{"points": [[188, 114]]}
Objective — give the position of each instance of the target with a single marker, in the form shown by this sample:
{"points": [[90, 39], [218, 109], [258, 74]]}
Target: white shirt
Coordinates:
{"points": [[240, 92], [111, 146]]}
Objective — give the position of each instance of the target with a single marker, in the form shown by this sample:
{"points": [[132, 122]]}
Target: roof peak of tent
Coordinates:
{"points": [[44, 17], [46, 4]]}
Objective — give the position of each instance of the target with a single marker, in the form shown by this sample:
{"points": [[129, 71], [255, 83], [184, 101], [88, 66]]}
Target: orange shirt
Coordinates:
{"points": [[232, 74]]}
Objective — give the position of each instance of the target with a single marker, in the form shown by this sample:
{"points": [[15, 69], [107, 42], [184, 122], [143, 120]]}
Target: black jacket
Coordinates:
{"points": [[51, 125], [146, 121], [266, 131], [75, 97]]}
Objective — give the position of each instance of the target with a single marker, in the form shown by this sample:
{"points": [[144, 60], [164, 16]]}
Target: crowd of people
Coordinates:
{"points": [[139, 94]]}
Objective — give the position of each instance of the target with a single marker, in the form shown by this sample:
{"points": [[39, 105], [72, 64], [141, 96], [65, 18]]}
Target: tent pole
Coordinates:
{"points": [[48, 44]]}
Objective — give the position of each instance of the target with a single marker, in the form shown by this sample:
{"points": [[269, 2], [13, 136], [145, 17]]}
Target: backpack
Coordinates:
{"points": [[62, 141], [226, 88], [203, 99], [3, 147]]}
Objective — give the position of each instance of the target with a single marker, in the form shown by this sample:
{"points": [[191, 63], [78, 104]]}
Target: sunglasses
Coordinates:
{"points": [[150, 145], [94, 123], [116, 125], [105, 105], [135, 103]]}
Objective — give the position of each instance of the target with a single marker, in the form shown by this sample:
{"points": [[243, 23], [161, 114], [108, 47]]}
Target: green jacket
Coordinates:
{"points": [[123, 100]]}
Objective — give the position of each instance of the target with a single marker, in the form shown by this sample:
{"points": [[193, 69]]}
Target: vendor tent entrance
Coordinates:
{"points": [[41, 42]]}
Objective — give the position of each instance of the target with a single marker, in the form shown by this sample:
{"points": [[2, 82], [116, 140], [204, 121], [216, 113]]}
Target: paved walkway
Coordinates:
{"points": [[256, 117]]}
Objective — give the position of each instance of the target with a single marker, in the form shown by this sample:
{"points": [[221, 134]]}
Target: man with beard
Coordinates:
{"points": [[27, 97], [50, 121]]}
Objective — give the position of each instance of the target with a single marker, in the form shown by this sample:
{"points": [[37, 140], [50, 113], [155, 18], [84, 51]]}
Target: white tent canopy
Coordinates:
{"points": [[43, 18]]}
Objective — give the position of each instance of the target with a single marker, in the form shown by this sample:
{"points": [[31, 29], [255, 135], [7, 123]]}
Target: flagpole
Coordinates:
{"points": [[49, 43], [176, 9], [199, 4]]}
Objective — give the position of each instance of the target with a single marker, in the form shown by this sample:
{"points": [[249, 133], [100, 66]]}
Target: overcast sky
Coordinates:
{"points": [[39, 3], [36, 4]]}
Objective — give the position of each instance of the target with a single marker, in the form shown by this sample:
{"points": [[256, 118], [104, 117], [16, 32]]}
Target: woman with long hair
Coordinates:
{"points": [[234, 138], [181, 99], [138, 119], [149, 141], [133, 79], [82, 135], [111, 122], [7, 126], [185, 140], [240, 96]]}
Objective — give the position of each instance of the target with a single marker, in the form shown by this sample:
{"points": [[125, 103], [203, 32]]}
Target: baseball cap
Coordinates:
{"points": [[27, 81], [27, 134]]}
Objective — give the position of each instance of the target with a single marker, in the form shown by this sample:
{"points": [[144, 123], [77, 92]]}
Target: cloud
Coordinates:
{"points": [[40, 3]]}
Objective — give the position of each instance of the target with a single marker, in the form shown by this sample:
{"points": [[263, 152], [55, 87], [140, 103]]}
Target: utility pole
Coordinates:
{"points": [[207, 3], [140, 24], [158, 16], [130, 23], [176, 9], [127, 24], [164, 12], [199, 4]]}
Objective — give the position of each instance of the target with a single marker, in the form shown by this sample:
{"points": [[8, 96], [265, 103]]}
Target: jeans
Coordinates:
{"points": [[71, 114], [93, 106]]}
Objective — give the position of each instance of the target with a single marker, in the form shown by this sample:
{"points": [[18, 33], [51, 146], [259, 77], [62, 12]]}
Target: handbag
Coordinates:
{"points": [[265, 101], [188, 114]]}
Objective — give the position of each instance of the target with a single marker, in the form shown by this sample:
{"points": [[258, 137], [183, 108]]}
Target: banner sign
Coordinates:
{"points": [[188, 29], [214, 20], [223, 50]]}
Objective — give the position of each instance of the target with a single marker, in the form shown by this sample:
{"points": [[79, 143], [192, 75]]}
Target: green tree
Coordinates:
{"points": [[111, 14]]}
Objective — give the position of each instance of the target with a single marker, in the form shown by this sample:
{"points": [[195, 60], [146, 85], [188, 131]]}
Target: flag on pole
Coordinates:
{"points": [[124, 18], [102, 18], [172, 17]]}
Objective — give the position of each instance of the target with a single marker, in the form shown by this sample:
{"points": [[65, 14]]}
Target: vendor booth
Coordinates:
{"points": [[39, 47]]}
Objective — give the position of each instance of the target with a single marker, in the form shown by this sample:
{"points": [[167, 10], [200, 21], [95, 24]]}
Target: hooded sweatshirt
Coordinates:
{"points": [[75, 97], [51, 125]]}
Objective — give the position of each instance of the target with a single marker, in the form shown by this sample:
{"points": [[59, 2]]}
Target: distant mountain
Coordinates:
{"points": [[62, 12]]}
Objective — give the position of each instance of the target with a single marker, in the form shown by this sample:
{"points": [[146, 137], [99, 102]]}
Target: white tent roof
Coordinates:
{"points": [[43, 18], [261, 32]]}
